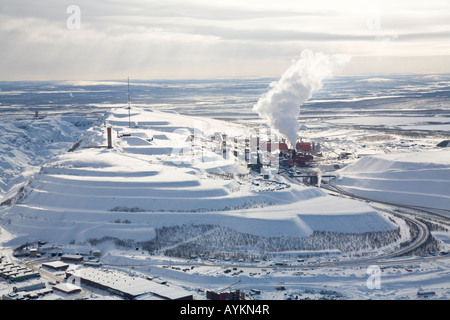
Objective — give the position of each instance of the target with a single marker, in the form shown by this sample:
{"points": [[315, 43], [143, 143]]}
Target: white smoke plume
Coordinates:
{"points": [[281, 104]]}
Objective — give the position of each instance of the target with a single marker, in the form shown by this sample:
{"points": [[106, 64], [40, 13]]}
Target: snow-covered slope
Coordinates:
{"points": [[26, 143], [414, 178], [150, 179]]}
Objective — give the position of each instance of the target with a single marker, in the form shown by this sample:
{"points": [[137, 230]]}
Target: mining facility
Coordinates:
{"points": [[268, 152], [267, 155], [263, 152]]}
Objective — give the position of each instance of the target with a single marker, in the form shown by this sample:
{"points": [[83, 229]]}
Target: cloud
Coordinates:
{"points": [[200, 38]]}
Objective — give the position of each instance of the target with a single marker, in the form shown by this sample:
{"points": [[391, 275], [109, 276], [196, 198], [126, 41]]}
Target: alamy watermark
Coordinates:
{"points": [[374, 280], [374, 23], [194, 146], [73, 21]]}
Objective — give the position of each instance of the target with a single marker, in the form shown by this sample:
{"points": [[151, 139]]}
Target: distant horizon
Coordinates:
{"points": [[229, 78]]}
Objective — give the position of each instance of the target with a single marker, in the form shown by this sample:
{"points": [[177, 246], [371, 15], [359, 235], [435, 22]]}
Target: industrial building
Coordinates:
{"points": [[56, 265], [443, 144], [29, 286], [126, 286], [67, 288], [279, 154], [232, 295], [17, 273], [24, 275], [72, 258], [263, 150]]}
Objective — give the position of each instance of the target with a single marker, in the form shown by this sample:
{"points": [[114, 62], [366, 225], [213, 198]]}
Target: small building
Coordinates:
{"points": [[92, 264], [96, 253], [67, 288], [24, 275], [232, 295], [255, 291], [33, 252], [425, 293], [12, 296], [72, 258], [56, 265], [443, 144], [29, 286]]}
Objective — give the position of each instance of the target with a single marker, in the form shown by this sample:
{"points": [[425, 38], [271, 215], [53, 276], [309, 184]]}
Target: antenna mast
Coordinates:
{"points": [[129, 107]]}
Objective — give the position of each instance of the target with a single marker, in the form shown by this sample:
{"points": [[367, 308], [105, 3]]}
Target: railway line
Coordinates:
{"points": [[421, 239], [424, 233]]}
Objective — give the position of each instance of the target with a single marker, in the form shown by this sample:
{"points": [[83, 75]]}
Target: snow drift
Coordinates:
{"points": [[414, 178]]}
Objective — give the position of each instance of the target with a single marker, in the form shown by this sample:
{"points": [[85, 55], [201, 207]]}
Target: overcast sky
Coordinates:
{"points": [[43, 40]]}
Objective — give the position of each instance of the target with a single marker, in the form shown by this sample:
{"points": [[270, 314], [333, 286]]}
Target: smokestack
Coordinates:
{"points": [[109, 131]]}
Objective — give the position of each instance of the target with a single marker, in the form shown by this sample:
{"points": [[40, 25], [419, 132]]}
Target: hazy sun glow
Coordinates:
{"points": [[204, 39]]}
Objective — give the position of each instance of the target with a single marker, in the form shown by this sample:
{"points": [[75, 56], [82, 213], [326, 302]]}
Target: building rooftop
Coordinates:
{"points": [[67, 287], [55, 264], [130, 285]]}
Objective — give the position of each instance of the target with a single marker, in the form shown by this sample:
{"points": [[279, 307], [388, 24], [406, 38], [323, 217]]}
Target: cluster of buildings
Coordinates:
{"points": [[266, 150], [26, 282], [17, 273], [28, 289], [114, 282], [279, 155], [300, 156]]}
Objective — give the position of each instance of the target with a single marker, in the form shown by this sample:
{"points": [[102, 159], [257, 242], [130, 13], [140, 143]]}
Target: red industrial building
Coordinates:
{"points": [[67, 288], [275, 146], [300, 156], [233, 295], [303, 147]]}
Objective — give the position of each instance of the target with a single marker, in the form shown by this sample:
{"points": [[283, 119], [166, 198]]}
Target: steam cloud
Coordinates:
{"points": [[281, 104]]}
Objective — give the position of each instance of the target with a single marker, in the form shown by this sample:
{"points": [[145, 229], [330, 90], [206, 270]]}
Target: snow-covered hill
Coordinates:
{"points": [[26, 143], [413, 178], [151, 179]]}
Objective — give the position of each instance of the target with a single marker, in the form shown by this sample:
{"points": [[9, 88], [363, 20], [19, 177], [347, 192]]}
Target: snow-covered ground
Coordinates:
{"points": [[414, 178], [164, 203], [150, 180], [411, 123], [26, 143]]}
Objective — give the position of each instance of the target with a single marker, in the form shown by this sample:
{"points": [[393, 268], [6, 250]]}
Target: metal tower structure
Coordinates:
{"points": [[129, 105]]}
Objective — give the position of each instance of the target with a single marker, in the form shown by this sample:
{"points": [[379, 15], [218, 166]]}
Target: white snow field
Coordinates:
{"points": [[413, 178], [148, 179], [153, 179], [411, 123], [163, 206]]}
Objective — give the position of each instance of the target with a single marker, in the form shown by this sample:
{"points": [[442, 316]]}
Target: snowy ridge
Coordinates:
{"points": [[414, 178], [145, 180], [26, 144]]}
